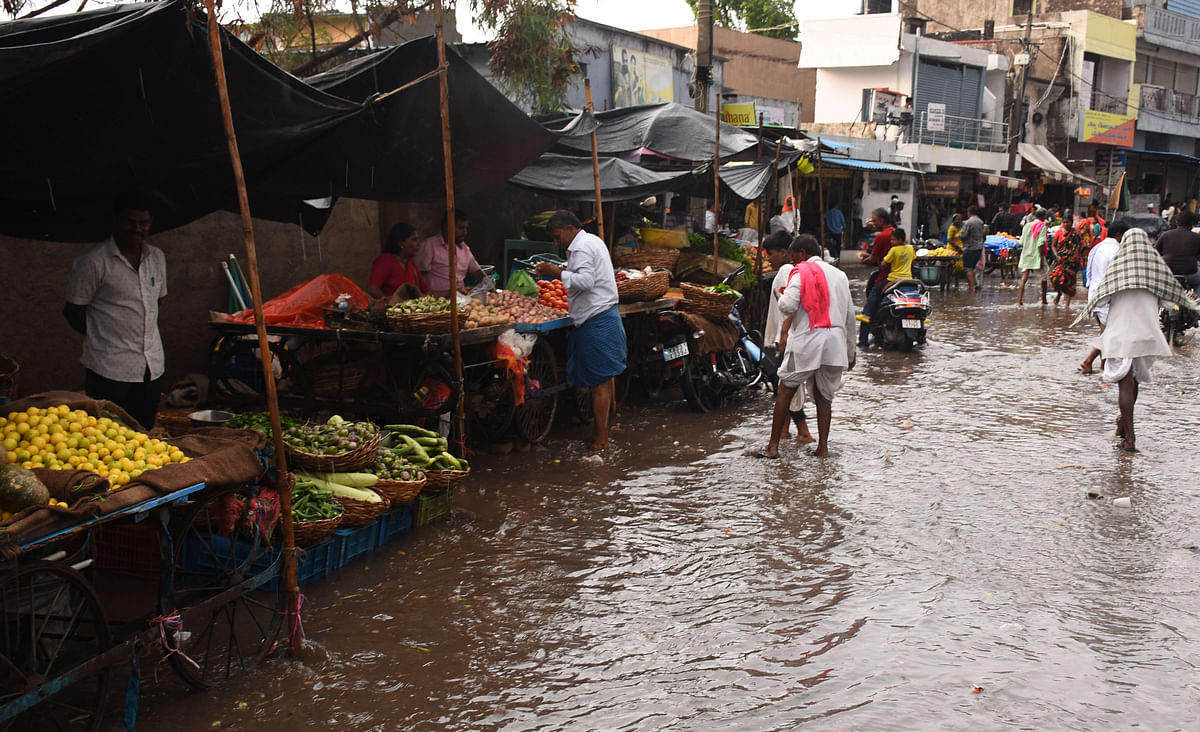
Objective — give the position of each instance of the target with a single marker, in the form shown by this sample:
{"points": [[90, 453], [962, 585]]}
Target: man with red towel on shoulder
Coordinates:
{"points": [[817, 342]]}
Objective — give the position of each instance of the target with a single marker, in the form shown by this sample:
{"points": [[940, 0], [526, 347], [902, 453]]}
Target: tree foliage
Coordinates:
{"points": [[775, 18], [532, 54]]}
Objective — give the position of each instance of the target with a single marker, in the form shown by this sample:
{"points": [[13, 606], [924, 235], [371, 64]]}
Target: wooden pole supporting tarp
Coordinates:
{"points": [[587, 88], [284, 483], [717, 194], [820, 195], [459, 427]]}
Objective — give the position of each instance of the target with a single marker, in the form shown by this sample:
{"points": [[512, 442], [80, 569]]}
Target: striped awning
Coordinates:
{"points": [[1041, 157], [1003, 181]]}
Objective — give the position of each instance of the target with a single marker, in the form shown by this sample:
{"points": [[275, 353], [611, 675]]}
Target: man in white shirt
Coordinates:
{"points": [[112, 299], [1098, 260], [433, 258], [778, 250], [819, 344], [596, 346]]}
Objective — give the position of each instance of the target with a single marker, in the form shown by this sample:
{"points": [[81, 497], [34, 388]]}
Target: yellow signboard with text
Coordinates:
{"points": [[1108, 129], [742, 115]]}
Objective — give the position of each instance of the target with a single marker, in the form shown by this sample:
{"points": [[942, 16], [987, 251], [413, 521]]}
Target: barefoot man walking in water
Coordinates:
{"points": [[818, 342], [596, 346], [1132, 287]]}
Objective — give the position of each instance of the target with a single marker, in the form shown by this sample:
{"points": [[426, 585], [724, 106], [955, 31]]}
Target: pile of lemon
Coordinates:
{"points": [[60, 438]]}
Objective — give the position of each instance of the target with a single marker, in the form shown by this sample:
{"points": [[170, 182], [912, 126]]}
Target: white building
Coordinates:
{"points": [[941, 102]]}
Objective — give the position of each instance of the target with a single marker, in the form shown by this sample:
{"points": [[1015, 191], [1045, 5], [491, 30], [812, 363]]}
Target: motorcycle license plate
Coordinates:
{"points": [[671, 353], [910, 323]]}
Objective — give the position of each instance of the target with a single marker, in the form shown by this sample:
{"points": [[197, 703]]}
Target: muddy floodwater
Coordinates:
{"points": [[956, 564]]}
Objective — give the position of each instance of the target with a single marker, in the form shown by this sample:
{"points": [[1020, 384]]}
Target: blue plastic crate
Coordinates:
{"points": [[397, 522], [356, 542], [318, 560], [434, 507]]}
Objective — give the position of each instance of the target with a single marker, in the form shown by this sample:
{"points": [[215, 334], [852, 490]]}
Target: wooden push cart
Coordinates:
{"points": [[69, 627]]}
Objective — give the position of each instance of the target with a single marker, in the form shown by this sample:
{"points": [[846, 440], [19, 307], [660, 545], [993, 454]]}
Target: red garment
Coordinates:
{"points": [[814, 293], [883, 244], [387, 275]]}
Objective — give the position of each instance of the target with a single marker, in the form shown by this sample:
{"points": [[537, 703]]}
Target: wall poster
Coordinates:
{"points": [[640, 78]]}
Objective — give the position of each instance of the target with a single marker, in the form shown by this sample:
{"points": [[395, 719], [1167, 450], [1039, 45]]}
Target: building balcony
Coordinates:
{"points": [[963, 133], [1101, 102], [955, 142], [1168, 111]]}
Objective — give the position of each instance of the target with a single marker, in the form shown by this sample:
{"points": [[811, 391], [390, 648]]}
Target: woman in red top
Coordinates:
{"points": [[395, 268]]}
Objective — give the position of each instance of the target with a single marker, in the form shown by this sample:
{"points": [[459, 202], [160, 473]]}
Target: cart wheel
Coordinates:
{"points": [[535, 416], [700, 387], [652, 375], [233, 633], [53, 622], [621, 387], [490, 405]]}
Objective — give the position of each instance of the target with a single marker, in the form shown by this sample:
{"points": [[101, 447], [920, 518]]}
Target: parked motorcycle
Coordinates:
{"points": [[707, 379], [899, 322], [1176, 321]]}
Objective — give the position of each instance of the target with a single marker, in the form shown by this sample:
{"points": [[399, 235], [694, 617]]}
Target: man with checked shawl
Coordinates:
{"points": [[1135, 282]]}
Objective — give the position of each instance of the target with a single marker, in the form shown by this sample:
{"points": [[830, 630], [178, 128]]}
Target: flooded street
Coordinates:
{"points": [[948, 543]]}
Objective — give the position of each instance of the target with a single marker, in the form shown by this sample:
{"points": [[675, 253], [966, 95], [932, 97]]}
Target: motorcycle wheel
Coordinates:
{"points": [[738, 363], [700, 387]]}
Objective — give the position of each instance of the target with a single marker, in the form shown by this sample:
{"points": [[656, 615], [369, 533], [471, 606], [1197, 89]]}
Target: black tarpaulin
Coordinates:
{"points": [[669, 130], [125, 97], [572, 179], [393, 150]]}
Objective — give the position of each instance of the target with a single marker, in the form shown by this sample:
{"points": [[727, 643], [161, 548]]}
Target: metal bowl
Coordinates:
{"points": [[210, 418]]}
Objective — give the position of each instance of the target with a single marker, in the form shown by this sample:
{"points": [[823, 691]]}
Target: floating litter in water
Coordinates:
{"points": [[1122, 502]]}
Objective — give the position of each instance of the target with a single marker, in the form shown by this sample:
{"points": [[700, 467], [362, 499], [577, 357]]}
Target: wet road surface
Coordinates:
{"points": [[948, 543]]}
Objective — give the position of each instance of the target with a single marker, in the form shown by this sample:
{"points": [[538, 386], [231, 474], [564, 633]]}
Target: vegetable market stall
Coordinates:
{"points": [[76, 603], [375, 373]]}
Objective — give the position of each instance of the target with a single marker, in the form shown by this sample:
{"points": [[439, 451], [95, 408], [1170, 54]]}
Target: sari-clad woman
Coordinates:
{"points": [[1070, 246]]}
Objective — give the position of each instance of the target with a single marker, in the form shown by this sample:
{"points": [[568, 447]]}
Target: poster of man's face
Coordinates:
{"points": [[640, 78]]}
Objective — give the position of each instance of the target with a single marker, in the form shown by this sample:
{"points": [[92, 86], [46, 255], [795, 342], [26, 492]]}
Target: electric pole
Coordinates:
{"points": [[1016, 120], [704, 54]]}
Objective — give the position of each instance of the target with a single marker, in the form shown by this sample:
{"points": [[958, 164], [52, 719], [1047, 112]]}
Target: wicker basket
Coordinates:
{"points": [[399, 491], [653, 258], [440, 480], [9, 368], [331, 379], [308, 533], [650, 287], [359, 457], [357, 513], [174, 422], [702, 302], [424, 322]]}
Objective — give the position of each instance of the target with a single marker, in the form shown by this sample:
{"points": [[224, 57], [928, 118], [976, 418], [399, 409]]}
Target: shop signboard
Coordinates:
{"points": [[941, 186], [742, 115], [640, 78], [1106, 128]]}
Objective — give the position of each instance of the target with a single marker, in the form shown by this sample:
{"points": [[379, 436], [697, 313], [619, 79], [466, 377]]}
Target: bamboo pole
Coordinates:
{"points": [[459, 428], [284, 482], [820, 195], [587, 88], [717, 193]]}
